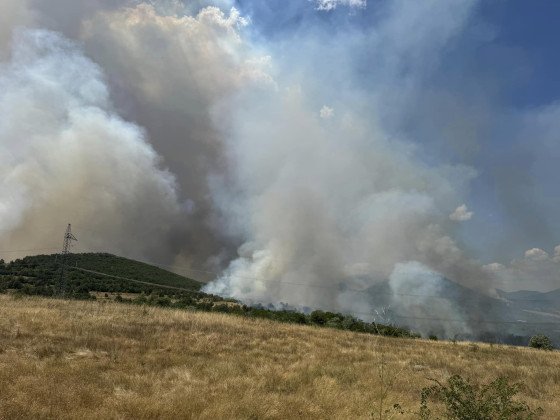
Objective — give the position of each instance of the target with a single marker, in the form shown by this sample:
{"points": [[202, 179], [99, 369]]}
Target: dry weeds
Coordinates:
{"points": [[68, 359]]}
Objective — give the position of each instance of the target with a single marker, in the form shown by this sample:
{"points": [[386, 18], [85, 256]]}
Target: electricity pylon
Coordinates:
{"points": [[68, 238]]}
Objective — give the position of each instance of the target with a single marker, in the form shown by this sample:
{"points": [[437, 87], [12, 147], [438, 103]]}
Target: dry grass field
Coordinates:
{"points": [[69, 359]]}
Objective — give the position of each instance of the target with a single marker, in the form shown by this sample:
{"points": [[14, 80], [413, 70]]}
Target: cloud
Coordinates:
{"points": [[537, 270], [461, 214], [328, 5], [536, 254], [556, 257], [326, 112]]}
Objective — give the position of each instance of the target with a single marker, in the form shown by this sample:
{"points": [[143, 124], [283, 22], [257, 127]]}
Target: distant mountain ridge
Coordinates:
{"points": [[534, 301], [453, 309]]}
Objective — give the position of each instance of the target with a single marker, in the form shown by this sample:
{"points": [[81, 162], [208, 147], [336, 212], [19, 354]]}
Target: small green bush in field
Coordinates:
{"points": [[465, 401], [541, 342]]}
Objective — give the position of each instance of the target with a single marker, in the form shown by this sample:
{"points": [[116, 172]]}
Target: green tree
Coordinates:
{"points": [[465, 401], [541, 342]]}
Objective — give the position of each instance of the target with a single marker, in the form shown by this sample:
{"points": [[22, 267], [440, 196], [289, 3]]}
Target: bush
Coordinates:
{"points": [[433, 337], [465, 401], [320, 317], [541, 342]]}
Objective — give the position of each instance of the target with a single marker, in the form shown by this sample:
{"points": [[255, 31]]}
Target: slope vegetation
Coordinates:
{"points": [[105, 276], [97, 359], [42, 272]]}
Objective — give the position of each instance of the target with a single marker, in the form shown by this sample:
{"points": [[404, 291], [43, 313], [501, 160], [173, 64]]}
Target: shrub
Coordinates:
{"points": [[541, 342], [348, 322], [319, 317], [433, 337], [465, 401], [163, 301], [334, 323]]}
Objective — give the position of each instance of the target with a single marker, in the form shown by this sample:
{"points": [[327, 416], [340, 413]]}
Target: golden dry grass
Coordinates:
{"points": [[68, 359]]}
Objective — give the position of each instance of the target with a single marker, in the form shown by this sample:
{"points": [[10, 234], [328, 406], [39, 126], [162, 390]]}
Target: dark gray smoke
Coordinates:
{"points": [[168, 71]]}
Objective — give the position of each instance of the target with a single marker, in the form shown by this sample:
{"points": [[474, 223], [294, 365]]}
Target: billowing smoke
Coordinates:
{"points": [[165, 71], [321, 191], [177, 131], [173, 73], [65, 155], [318, 198]]}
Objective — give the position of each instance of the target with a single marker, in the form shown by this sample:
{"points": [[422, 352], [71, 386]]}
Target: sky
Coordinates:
{"points": [[304, 141]]}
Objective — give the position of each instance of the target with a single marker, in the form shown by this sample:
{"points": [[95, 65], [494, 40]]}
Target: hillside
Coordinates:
{"points": [[75, 359], [452, 311], [42, 272], [108, 277]]}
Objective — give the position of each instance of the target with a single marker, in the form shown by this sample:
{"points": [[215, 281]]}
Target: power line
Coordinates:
{"points": [[470, 321], [319, 286], [520, 322], [27, 250], [132, 280], [340, 289]]}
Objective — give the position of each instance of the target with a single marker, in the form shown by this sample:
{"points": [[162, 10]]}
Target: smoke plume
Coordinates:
{"points": [[302, 160], [65, 155]]}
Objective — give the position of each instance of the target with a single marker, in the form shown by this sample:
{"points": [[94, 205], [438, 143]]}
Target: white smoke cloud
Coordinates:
{"points": [[312, 200], [461, 214], [414, 286], [12, 14], [66, 156]]}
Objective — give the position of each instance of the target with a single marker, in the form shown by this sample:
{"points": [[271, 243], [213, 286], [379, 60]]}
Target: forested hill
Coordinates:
{"points": [[42, 272], [106, 276]]}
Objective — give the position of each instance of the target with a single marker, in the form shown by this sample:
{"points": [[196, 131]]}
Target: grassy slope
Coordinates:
{"points": [[47, 267], [72, 359]]}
